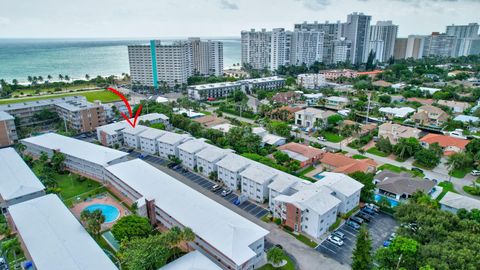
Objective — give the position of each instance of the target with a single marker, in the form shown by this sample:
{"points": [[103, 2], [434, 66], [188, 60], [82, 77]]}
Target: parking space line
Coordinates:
{"points": [[334, 252]]}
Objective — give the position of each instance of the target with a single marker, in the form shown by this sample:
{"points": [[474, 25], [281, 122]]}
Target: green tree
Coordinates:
{"points": [[57, 161], [406, 147], [93, 221], [385, 99], [383, 144], [158, 126], [427, 158], [458, 161], [279, 127], [334, 120], [132, 226], [367, 192], [276, 256], [281, 157], [362, 254], [402, 252]]}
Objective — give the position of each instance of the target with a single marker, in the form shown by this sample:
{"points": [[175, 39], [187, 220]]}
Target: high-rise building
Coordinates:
{"points": [[256, 48], [331, 33], [159, 64], [356, 29], [385, 33], [341, 50], [279, 48], [437, 44], [464, 34], [306, 47], [400, 48], [415, 44]]}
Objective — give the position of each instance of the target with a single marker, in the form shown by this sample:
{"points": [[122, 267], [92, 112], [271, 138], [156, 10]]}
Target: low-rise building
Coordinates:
{"points": [[274, 140], [148, 140], [452, 202], [394, 132], [8, 130], [194, 260], [456, 106], [229, 169], [53, 238], [371, 74], [427, 101], [225, 128], [187, 152], [224, 236], [313, 99], [169, 142], [336, 103], [208, 157], [449, 144], [337, 73], [392, 112], [131, 136], [467, 119], [289, 97], [284, 113], [255, 181], [339, 163], [304, 154], [309, 117], [111, 134], [210, 120], [84, 158], [311, 81], [18, 182], [400, 186], [430, 115], [154, 118]]}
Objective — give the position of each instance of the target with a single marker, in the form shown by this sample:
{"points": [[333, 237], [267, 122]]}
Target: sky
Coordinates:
{"points": [[215, 18]]}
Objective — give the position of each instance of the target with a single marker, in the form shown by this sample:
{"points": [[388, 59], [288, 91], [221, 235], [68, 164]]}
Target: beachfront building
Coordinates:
{"points": [[53, 238], [208, 157], [8, 131], [148, 140], [229, 169], [131, 136], [255, 181], [18, 182], [169, 142], [81, 157], [187, 151], [222, 235]]}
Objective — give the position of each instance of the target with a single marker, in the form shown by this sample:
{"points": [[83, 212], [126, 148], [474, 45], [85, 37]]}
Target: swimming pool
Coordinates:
{"points": [[318, 176], [110, 212], [392, 202]]}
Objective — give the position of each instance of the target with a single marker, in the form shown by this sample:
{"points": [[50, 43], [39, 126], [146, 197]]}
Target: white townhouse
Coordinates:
{"points": [[111, 134], [81, 157], [187, 151], [131, 136], [53, 238], [18, 183], [222, 235], [168, 143], [229, 169], [208, 157], [148, 140], [255, 180]]}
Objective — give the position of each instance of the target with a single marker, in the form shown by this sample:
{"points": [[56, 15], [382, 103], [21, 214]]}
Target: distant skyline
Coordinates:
{"points": [[216, 18]]}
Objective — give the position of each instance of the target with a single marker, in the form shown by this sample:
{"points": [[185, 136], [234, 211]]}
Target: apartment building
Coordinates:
{"points": [[311, 81], [131, 136], [309, 117], [345, 188], [81, 157], [222, 235], [208, 157], [111, 134], [8, 131], [356, 29], [148, 140], [229, 169], [306, 47], [465, 34], [191, 261], [255, 46], [55, 240], [207, 56], [336, 103], [384, 33], [187, 151], [81, 116], [442, 45], [280, 45], [169, 142], [255, 181], [18, 183]]}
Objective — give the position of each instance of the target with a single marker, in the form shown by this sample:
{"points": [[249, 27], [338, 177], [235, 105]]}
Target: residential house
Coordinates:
{"points": [[208, 157], [467, 119], [381, 83], [168, 143], [225, 128], [309, 117], [401, 186], [450, 145], [313, 99], [456, 106], [393, 112], [229, 169], [452, 202], [187, 151], [148, 140], [426, 101], [394, 132], [304, 154], [429, 115], [284, 113], [154, 118], [267, 138], [339, 163], [289, 97], [210, 120], [336, 103]]}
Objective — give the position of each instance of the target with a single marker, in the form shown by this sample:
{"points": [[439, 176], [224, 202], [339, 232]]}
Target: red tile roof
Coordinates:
{"points": [[445, 141], [344, 164], [304, 150]]}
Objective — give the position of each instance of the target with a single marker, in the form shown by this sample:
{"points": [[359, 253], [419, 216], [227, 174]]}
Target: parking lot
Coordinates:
{"points": [[380, 228], [248, 207]]}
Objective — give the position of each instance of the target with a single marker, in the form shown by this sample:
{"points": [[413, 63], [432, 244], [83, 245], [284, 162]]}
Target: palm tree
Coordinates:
{"points": [[87, 77], [49, 77], [40, 78], [15, 82], [30, 79], [67, 78], [60, 77]]}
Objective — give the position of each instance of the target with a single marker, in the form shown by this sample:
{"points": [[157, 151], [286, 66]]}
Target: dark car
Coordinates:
{"points": [[353, 225], [357, 220], [415, 169], [364, 216]]}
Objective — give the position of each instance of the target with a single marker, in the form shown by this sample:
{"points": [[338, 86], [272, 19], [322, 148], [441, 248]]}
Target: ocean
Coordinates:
{"points": [[20, 58]]}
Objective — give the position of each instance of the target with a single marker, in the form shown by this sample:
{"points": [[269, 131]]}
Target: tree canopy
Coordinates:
{"points": [[132, 226]]}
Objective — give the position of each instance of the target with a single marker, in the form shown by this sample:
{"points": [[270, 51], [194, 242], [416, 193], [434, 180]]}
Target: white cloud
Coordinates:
{"points": [[226, 4]]}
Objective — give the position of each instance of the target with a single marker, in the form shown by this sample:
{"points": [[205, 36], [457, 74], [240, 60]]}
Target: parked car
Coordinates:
{"points": [[372, 207], [368, 211], [339, 234], [415, 169], [335, 240], [279, 246], [475, 173], [352, 224], [171, 165], [364, 216], [386, 243], [184, 170], [358, 220], [216, 188], [322, 139], [392, 236], [226, 192]]}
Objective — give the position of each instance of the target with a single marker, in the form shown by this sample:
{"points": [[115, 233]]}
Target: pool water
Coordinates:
{"points": [[110, 212], [392, 202], [319, 176]]}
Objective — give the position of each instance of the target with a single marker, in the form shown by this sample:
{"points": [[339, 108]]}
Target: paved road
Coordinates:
{"points": [[306, 257]]}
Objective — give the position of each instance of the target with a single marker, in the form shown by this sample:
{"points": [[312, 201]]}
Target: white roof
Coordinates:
{"points": [[17, 178], [223, 127], [272, 139], [283, 181], [338, 99], [458, 201], [340, 182], [54, 238], [234, 162], [398, 112], [259, 131], [259, 173], [152, 117], [193, 146], [114, 128], [134, 130], [212, 153], [173, 138], [466, 118], [319, 200], [194, 260], [91, 152], [317, 95], [226, 231], [161, 100], [5, 116], [152, 133]]}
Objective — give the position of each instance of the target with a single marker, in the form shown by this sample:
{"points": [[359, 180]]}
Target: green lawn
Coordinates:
{"points": [[103, 96], [70, 187], [460, 173], [447, 186], [302, 238], [397, 169], [52, 89], [332, 137], [357, 156], [288, 266], [306, 170], [375, 151]]}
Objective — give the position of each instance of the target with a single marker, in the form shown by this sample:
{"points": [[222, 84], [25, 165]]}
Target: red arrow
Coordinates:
{"points": [[115, 91]]}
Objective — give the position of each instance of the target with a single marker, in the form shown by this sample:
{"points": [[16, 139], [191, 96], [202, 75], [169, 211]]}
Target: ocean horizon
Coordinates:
{"points": [[76, 57]]}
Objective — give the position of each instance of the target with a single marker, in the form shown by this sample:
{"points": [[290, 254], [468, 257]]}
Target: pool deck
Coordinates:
{"points": [[317, 170], [106, 199]]}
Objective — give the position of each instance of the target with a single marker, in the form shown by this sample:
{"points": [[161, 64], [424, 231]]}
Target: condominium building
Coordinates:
{"points": [[256, 48], [222, 235], [400, 48], [306, 47], [168, 143], [131, 136], [8, 131], [464, 34], [111, 134], [437, 44], [76, 112], [18, 183], [229, 169], [208, 157], [194, 260], [255, 181], [148, 140], [158, 64], [386, 32], [81, 157], [331, 33], [415, 46], [187, 152], [311, 81], [356, 29], [53, 238], [341, 50], [280, 48]]}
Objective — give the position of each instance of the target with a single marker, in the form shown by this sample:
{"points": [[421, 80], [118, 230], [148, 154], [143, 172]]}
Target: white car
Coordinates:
{"points": [[475, 173], [335, 240], [321, 139]]}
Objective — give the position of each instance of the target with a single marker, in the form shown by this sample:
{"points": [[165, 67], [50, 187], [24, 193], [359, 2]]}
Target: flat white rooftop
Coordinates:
{"points": [[228, 232], [194, 260], [54, 238], [213, 153], [234, 162], [91, 152], [152, 133], [17, 179], [152, 117], [5, 116], [173, 138], [113, 128], [193, 146]]}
